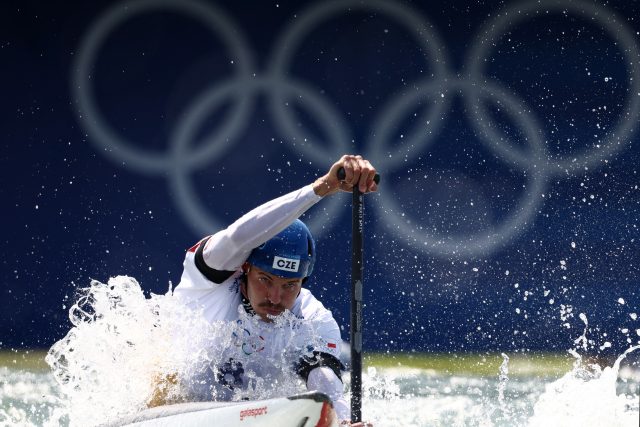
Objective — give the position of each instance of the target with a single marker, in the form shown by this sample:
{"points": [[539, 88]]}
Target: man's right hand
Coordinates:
{"points": [[358, 171], [162, 385]]}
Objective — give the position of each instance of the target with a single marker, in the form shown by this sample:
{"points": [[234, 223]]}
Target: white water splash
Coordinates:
{"points": [[120, 343], [123, 345], [503, 380], [108, 362], [586, 396], [412, 397], [582, 339]]}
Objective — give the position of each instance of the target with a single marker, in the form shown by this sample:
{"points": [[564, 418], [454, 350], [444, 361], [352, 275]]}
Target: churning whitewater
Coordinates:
{"points": [[121, 343]]}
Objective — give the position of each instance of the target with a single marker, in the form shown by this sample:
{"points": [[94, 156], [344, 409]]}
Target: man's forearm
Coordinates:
{"points": [[324, 380]]}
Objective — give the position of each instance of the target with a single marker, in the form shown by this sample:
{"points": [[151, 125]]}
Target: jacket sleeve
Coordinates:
{"points": [[229, 248], [325, 380]]}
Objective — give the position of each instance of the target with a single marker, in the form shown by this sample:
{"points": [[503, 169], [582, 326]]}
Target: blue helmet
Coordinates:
{"points": [[290, 253]]}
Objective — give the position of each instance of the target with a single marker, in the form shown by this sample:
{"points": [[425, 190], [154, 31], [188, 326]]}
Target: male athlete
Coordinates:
{"points": [[252, 272]]}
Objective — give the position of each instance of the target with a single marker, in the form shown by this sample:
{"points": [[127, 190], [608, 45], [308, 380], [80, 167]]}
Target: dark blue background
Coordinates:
{"points": [[71, 213]]}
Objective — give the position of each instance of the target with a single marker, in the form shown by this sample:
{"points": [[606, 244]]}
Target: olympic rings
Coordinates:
{"points": [[283, 92]]}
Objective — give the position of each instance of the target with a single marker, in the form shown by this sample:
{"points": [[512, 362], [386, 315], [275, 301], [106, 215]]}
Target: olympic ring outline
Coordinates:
{"points": [[286, 44], [195, 212], [483, 241], [394, 109], [508, 16], [290, 129], [108, 140], [248, 344]]}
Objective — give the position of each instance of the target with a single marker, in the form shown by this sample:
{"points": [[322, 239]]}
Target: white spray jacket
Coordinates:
{"points": [[309, 340]]}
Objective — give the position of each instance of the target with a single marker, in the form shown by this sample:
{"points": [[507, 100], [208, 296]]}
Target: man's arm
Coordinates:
{"points": [[229, 248], [325, 380]]}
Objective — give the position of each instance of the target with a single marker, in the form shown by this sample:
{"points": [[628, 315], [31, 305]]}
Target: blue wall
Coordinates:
{"points": [[506, 137]]}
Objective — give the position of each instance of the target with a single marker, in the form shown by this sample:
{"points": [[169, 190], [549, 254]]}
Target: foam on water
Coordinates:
{"points": [[587, 396], [28, 398]]}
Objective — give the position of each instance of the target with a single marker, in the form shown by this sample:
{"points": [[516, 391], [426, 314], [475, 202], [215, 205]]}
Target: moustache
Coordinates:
{"points": [[267, 304]]}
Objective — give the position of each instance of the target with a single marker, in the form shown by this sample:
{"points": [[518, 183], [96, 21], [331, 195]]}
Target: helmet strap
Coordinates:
{"points": [[244, 285], [246, 304]]}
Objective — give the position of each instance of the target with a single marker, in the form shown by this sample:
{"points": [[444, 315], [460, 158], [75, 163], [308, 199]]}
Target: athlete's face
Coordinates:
{"points": [[268, 294]]}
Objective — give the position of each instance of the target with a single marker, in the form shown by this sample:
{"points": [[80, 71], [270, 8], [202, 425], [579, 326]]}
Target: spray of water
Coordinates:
{"points": [[503, 380], [123, 348], [586, 396], [122, 345]]}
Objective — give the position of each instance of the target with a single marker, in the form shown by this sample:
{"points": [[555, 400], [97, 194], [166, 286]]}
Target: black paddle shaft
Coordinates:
{"points": [[357, 270]]}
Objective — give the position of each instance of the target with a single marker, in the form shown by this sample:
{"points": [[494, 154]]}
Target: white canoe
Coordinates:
{"points": [[305, 410]]}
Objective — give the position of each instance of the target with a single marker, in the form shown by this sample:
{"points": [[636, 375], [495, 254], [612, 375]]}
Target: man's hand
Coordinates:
{"points": [[162, 385], [358, 171]]}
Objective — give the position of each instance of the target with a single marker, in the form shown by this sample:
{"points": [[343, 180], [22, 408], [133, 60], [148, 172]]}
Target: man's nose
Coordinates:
{"points": [[274, 295]]}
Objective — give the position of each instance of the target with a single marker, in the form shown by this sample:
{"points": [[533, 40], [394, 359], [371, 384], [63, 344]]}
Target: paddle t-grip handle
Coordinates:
{"points": [[342, 175]]}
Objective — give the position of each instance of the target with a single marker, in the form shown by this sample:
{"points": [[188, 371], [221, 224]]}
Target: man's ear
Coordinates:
{"points": [[244, 280], [243, 288]]}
